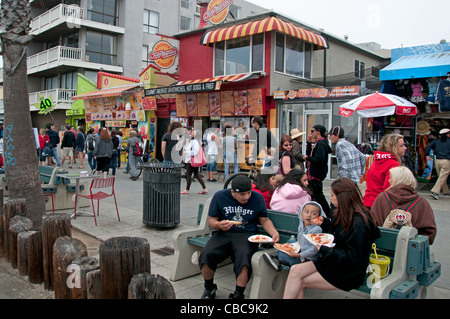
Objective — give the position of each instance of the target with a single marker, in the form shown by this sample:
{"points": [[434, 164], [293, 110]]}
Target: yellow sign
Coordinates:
{"points": [[217, 11]]}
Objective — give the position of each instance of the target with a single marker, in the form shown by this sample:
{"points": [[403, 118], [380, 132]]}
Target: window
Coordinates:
{"points": [[185, 23], [145, 52], [101, 48], [235, 11], [151, 22], [103, 11], [185, 4], [69, 81], [241, 55], [360, 72], [293, 56]]}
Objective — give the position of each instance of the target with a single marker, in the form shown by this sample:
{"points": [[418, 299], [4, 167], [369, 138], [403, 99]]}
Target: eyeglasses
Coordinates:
{"points": [[312, 131], [286, 145]]}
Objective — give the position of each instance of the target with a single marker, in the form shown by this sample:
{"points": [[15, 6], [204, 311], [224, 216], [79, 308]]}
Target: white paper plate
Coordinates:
{"points": [[260, 239], [320, 239], [295, 246]]}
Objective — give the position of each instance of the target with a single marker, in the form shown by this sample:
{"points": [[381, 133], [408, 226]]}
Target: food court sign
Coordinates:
{"points": [[163, 54], [217, 11]]}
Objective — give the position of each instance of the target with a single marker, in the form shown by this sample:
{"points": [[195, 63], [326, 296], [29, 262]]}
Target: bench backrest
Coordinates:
{"points": [[285, 223]]}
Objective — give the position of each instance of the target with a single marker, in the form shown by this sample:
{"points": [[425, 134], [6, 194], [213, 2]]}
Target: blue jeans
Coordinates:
{"points": [[92, 161], [211, 162], [113, 163], [230, 157], [55, 155]]}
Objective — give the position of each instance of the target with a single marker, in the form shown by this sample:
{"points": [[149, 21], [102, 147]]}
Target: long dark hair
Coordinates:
{"points": [[262, 182], [295, 177], [349, 203]]}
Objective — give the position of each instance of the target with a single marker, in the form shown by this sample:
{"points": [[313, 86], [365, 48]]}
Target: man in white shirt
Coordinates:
{"points": [[212, 152]]}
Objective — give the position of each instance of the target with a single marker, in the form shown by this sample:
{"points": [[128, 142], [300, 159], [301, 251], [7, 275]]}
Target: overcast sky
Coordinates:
{"points": [[391, 23]]}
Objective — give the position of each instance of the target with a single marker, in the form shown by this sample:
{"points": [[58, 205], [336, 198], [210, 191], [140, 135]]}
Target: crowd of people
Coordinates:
{"points": [[296, 186]]}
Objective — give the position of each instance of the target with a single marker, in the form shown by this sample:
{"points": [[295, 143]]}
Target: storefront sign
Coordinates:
{"points": [[217, 11], [114, 108], [149, 103], [225, 103], [318, 93], [163, 54], [180, 89], [115, 123], [45, 105]]}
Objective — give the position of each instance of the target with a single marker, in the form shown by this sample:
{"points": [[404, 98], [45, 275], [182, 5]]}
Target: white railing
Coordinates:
{"points": [[61, 98], [54, 56], [62, 13]]}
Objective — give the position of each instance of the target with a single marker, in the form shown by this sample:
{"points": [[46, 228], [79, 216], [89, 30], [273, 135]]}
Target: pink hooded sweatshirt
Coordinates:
{"points": [[289, 198]]}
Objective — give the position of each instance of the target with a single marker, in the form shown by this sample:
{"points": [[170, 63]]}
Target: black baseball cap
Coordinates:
{"points": [[241, 184], [338, 131]]}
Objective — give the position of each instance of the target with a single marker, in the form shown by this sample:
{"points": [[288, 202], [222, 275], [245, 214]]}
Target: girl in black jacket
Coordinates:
{"points": [[344, 265]]}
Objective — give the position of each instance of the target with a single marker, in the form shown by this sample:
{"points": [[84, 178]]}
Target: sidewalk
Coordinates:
{"points": [[129, 199]]}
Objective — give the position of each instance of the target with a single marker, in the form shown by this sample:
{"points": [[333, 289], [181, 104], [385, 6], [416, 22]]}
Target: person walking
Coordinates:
{"points": [[170, 140], [80, 146], [54, 140], [43, 140], [132, 142], [286, 160], [229, 150], [441, 149], [351, 162], [67, 146], [192, 148], [299, 158], [115, 153], [91, 141], [103, 152], [317, 163]]}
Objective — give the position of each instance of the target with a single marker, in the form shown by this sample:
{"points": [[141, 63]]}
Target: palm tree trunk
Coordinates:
{"points": [[19, 148]]}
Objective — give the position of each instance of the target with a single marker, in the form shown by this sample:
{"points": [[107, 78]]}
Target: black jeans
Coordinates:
{"points": [[316, 187]]}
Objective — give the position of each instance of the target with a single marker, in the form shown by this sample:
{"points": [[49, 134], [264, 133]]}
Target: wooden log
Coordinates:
{"points": [[17, 225], [22, 252], [80, 267], [53, 227], [148, 286], [65, 251], [120, 259], [11, 208], [2, 236], [34, 260], [94, 284]]}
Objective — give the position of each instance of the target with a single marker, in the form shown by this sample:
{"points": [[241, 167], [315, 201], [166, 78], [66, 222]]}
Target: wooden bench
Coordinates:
{"points": [[412, 271]]}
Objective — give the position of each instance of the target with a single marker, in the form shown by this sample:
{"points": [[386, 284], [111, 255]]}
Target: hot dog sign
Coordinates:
{"points": [[163, 54], [217, 11]]}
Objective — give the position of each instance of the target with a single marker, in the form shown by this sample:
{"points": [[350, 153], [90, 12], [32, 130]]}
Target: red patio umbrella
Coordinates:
{"points": [[378, 104]]}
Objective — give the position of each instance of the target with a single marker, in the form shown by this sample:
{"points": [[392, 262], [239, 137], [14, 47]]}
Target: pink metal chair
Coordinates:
{"points": [[95, 192]]}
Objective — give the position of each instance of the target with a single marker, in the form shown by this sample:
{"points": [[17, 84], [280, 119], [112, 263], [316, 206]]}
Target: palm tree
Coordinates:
{"points": [[20, 159]]}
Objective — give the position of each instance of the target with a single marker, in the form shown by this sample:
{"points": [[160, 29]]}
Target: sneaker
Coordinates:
{"points": [[236, 295], [213, 180], [272, 261], [210, 293], [435, 196]]}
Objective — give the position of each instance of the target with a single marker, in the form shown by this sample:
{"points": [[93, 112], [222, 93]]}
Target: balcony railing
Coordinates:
{"points": [[61, 98], [53, 57], [62, 13]]}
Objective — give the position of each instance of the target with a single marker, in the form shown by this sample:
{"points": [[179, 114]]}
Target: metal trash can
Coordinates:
{"points": [[161, 194]]}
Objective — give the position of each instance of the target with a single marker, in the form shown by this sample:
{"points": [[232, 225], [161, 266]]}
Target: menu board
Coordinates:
{"points": [[191, 104], [226, 99], [255, 104], [181, 105], [223, 103], [215, 108], [203, 104]]}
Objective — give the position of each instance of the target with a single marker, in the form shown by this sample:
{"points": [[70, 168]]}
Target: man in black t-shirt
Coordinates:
{"points": [[234, 213]]}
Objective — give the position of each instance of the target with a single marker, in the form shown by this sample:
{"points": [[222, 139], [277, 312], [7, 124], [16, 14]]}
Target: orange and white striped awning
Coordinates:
{"points": [[265, 25], [226, 78]]}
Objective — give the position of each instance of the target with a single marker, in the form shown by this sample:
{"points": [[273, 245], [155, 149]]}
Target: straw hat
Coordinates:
{"points": [[296, 133], [423, 128]]}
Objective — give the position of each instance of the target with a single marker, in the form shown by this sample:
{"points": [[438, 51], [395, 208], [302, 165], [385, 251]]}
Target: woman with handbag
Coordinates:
{"points": [[194, 157]]}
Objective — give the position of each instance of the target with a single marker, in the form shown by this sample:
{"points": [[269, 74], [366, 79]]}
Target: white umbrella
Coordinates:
{"points": [[378, 104]]}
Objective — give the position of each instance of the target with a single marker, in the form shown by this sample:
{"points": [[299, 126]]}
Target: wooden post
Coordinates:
{"points": [[81, 267], [94, 284], [34, 260], [65, 250], [148, 286], [11, 208], [53, 227], [120, 259], [2, 230], [17, 224]]}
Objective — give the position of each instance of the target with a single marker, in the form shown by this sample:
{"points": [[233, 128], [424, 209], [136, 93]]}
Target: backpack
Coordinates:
{"points": [[137, 150], [90, 144], [397, 218]]}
